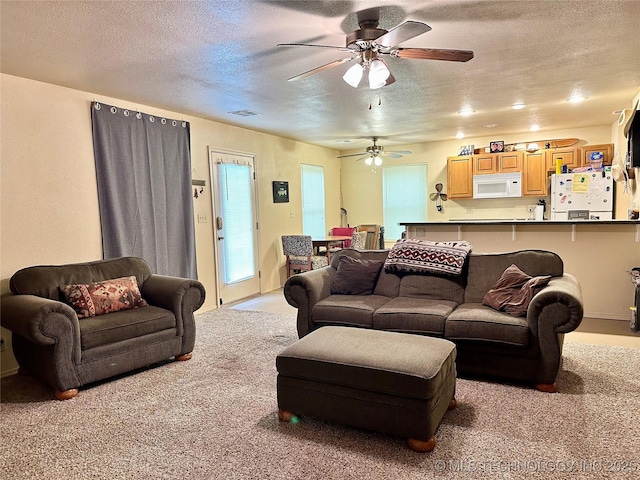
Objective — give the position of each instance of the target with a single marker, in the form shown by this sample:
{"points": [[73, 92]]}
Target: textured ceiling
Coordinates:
{"points": [[211, 58]]}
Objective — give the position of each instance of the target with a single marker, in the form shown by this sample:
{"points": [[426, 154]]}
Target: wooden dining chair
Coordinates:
{"points": [[298, 250]]}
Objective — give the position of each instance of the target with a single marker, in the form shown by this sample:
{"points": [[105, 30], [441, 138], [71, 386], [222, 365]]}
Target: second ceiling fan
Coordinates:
{"points": [[373, 154], [369, 43]]}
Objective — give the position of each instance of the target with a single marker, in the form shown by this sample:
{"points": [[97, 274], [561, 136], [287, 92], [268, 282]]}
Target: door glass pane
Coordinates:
{"points": [[404, 197], [313, 222], [237, 215]]}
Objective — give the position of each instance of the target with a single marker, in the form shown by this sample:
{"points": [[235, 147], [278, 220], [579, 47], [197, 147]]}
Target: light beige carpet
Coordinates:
{"points": [[214, 417]]}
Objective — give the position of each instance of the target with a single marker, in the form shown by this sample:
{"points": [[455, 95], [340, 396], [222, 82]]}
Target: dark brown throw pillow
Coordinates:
{"points": [[355, 276], [514, 290]]}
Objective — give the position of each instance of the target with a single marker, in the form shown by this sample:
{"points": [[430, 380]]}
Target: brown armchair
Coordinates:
{"points": [[51, 343]]}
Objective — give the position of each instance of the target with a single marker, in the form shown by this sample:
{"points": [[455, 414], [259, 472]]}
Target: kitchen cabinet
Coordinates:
{"points": [[506, 162], [509, 162], [534, 174], [460, 177], [484, 163], [571, 157], [605, 148]]}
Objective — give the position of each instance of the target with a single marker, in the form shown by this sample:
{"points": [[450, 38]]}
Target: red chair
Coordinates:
{"points": [[346, 231]]}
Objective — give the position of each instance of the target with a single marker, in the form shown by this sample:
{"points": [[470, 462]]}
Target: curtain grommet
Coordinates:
{"points": [[163, 121], [174, 123], [151, 119], [97, 106], [126, 113], [139, 116], [114, 110]]}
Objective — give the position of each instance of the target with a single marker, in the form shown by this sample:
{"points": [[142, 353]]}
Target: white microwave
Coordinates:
{"points": [[497, 185]]}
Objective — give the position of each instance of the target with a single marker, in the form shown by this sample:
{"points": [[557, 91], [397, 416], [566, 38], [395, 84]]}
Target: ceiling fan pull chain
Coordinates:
{"points": [[369, 105], [379, 100]]}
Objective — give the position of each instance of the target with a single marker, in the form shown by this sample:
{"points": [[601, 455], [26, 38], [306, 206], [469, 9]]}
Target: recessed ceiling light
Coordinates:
{"points": [[491, 125], [576, 99], [534, 128], [343, 141], [466, 112], [518, 106], [459, 135]]}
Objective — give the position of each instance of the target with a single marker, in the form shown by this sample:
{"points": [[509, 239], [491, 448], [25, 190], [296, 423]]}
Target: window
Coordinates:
{"points": [[313, 222], [404, 197], [236, 205]]}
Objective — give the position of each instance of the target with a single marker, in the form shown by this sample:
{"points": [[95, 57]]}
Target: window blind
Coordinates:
{"points": [[404, 197]]}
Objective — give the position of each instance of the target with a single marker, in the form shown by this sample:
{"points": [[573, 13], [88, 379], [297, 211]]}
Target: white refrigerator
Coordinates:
{"points": [[582, 196]]}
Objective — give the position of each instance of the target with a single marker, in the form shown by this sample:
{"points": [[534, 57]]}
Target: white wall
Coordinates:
{"points": [[49, 200]]}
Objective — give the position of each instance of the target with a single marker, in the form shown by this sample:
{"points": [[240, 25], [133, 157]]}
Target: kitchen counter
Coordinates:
{"points": [[522, 221]]}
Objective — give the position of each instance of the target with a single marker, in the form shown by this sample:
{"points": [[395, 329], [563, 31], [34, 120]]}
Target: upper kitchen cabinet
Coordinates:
{"points": [[460, 177], [570, 156], [534, 174], [606, 149], [509, 162], [484, 163]]}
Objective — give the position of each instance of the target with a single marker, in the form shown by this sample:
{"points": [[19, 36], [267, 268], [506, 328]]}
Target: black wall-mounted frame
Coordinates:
{"points": [[280, 192]]}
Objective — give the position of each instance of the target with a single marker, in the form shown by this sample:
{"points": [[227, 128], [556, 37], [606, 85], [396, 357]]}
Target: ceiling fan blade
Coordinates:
{"points": [[433, 196], [433, 54], [344, 49], [321, 68], [391, 154], [443, 196], [400, 152], [352, 155], [362, 158], [402, 33]]}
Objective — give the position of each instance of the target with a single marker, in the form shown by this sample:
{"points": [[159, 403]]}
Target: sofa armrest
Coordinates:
{"points": [[558, 306], [306, 289]]}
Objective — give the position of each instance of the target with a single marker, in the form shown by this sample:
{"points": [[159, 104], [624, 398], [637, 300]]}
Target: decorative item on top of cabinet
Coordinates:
{"points": [[460, 177], [605, 148], [534, 173]]}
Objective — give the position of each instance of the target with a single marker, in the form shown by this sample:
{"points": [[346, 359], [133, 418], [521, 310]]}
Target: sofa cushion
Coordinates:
{"points": [[45, 280], [474, 321], [124, 325], [108, 296], [423, 256], [486, 268], [432, 286], [413, 315], [513, 291], [355, 276], [356, 310]]}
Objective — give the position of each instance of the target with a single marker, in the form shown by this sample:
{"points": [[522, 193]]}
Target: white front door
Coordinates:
{"points": [[235, 225]]}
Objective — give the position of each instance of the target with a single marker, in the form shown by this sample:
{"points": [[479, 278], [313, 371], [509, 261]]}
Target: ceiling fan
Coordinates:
{"points": [[369, 43], [373, 154]]}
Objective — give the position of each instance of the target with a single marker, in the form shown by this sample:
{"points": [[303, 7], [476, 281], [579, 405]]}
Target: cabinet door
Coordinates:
{"points": [[459, 177], [606, 149], [534, 175], [510, 162], [484, 163], [571, 157]]}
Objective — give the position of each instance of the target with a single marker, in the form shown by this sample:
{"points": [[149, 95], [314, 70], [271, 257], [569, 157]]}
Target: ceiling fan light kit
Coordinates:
{"points": [[367, 44]]}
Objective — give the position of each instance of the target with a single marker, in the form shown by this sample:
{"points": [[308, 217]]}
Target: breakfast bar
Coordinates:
{"points": [[599, 252]]}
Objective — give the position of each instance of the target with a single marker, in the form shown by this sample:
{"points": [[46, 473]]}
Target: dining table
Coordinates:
{"points": [[328, 242]]}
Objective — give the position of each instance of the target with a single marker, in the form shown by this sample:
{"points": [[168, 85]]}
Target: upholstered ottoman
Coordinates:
{"points": [[394, 383]]}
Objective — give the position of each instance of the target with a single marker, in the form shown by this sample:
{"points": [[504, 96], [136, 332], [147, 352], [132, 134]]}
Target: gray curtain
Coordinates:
{"points": [[143, 168]]}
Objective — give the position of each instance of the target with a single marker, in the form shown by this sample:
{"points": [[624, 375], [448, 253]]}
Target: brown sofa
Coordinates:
{"points": [[65, 352], [489, 342]]}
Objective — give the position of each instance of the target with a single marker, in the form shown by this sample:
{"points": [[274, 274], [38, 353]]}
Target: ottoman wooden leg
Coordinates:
{"points": [[285, 416], [422, 446]]}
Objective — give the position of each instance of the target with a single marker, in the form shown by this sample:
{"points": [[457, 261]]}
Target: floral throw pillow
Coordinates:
{"points": [[104, 297]]}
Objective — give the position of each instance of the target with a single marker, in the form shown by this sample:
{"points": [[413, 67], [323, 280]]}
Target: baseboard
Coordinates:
{"points": [[607, 316]]}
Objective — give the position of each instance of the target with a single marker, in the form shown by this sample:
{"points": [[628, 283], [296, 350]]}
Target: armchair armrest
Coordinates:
{"points": [[306, 289], [39, 320], [180, 295]]}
